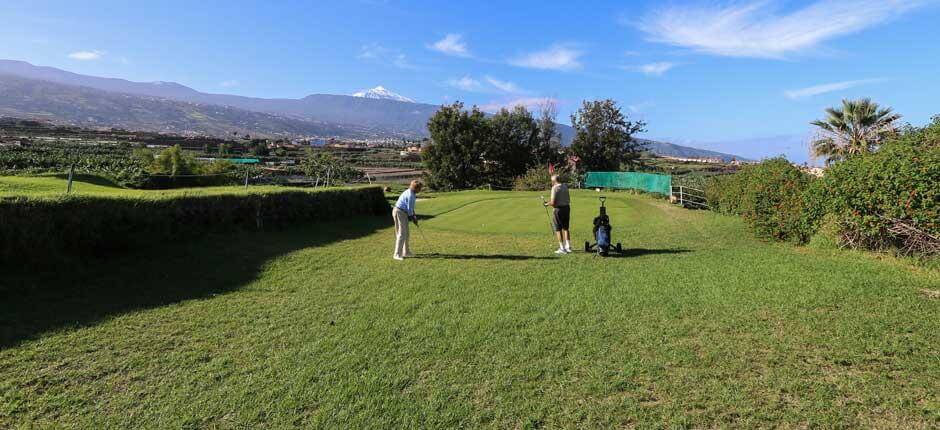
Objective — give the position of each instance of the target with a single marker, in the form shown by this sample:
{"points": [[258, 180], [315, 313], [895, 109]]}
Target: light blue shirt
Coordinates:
{"points": [[406, 202]]}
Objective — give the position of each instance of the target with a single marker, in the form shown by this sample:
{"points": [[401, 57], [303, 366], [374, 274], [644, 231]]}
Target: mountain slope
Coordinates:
{"points": [[397, 118], [319, 114], [30, 98]]}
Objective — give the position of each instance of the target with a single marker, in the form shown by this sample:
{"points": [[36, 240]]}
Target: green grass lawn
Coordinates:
{"points": [[698, 326]]}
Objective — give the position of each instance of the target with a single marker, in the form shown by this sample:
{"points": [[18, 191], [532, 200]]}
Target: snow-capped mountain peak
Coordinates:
{"points": [[380, 92]]}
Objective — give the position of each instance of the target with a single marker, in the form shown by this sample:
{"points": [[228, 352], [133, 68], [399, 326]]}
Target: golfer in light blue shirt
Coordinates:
{"points": [[403, 211]]}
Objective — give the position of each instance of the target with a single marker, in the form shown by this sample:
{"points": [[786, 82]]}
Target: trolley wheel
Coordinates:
{"points": [[587, 246], [619, 248]]}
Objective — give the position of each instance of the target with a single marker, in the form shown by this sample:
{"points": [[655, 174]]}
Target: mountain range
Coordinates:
{"points": [[31, 91]]}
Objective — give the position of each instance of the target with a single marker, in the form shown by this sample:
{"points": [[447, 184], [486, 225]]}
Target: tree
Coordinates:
{"points": [[549, 150], [454, 157], [258, 148], [513, 139], [172, 162], [858, 127], [604, 137]]}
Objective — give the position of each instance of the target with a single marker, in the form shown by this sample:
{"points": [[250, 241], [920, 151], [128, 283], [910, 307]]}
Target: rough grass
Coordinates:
{"points": [[699, 326]]}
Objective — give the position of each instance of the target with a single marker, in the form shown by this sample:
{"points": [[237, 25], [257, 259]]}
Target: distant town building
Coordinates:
{"points": [[707, 160]]}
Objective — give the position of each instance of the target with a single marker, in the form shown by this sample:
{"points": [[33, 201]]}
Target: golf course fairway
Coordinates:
{"points": [[697, 325]]}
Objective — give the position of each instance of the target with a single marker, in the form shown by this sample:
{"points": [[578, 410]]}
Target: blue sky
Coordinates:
{"points": [[739, 76]]}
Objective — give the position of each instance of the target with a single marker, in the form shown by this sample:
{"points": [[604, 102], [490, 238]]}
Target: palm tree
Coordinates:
{"points": [[859, 126]]}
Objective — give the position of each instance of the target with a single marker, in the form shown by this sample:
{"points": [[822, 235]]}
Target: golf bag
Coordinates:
{"points": [[602, 237]]}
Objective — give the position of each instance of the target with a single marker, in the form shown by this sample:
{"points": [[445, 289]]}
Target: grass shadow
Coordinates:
{"points": [[89, 179], [35, 302], [481, 257], [639, 252]]}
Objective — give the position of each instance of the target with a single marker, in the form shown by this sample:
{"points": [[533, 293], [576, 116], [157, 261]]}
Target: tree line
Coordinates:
{"points": [[469, 148]]}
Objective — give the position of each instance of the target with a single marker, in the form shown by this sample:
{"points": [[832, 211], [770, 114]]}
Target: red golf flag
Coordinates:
{"points": [[551, 169]]}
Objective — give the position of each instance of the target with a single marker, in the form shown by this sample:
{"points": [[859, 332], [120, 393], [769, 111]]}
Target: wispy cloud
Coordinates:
{"points": [[826, 88], [531, 103], [504, 86], [488, 84], [380, 54], [465, 83], [760, 30], [453, 45], [87, 55], [556, 57], [652, 69], [229, 84]]}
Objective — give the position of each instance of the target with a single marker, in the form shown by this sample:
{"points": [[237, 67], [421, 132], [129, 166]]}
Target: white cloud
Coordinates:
{"points": [[87, 55], [504, 86], [465, 83], [652, 69], [488, 84], [380, 54], [531, 103], [229, 84], [452, 44], [759, 30], [556, 57], [826, 88]]}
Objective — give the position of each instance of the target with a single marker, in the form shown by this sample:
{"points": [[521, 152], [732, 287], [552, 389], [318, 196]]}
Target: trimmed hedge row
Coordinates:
{"points": [[34, 230]]}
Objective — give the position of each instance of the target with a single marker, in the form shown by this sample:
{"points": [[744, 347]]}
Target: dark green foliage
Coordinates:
{"points": [[469, 149], [111, 161], [459, 138], [772, 196], [604, 137], [513, 142], [901, 181], [549, 149], [857, 202], [41, 231]]}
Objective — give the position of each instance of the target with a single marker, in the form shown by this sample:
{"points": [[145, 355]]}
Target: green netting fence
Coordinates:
{"points": [[648, 182]]}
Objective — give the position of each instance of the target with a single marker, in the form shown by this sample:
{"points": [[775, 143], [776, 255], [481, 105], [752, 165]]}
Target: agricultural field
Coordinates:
{"points": [[697, 325], [89, 185]]}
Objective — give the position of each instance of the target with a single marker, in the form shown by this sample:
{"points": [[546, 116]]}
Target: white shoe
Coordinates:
{"points": [[568, 251], [561, 251], [399, 258]]}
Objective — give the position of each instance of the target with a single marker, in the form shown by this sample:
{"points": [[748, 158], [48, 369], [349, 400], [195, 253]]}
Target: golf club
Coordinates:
{"points": [[551, 227], [423, 239]]}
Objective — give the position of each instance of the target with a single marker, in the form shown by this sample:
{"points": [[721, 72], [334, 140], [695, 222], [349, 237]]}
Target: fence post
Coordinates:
{"points": [[681, 197], [68, 190]]}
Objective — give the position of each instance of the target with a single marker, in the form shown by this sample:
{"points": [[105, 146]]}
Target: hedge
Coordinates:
{"points": [[36, 230], [888, 199], [774, 197], [870, 194]]}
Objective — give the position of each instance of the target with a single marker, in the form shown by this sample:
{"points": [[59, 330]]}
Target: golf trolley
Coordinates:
{"points": [[602, 228]]}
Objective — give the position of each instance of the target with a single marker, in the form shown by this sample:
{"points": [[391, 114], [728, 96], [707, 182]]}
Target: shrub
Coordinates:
{"points": [[535, 179], [774, 197], [869, 194], [39, 231]]}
